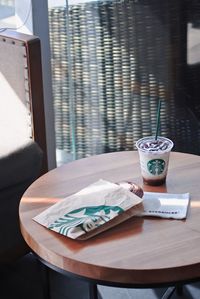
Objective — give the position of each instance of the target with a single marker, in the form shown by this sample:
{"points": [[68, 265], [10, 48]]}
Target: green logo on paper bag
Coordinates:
{"points": [[156, 166], [85, 219]]}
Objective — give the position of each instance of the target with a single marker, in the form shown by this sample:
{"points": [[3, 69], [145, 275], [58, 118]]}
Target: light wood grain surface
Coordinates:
{"points": [[138, 251]]}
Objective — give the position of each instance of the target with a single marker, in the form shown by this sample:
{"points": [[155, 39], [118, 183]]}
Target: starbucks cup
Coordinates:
{"points": [[154, 159]]}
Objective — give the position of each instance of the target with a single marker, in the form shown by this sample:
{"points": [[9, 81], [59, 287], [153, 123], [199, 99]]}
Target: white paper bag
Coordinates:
{"points": [[90, 209], [165, 205]]}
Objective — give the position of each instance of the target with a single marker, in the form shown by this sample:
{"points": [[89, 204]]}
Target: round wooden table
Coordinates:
{"points": [[139, 252]]}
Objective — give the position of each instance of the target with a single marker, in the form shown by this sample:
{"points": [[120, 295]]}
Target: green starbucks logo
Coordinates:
{"points": [[84, 219], [156, 166]]}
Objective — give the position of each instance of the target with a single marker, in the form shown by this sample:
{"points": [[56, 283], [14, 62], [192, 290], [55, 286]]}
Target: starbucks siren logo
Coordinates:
{"points": [[84, 219], [156, 166]]}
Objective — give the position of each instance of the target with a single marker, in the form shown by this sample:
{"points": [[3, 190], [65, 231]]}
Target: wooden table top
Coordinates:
{"points": [[139, 251]]}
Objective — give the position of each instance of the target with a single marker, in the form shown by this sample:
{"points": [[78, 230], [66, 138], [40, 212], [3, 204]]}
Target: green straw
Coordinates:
{"points": [[158, 119]]}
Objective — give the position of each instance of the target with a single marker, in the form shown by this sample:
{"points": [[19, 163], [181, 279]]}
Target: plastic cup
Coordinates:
{"points": [[154, 159]]}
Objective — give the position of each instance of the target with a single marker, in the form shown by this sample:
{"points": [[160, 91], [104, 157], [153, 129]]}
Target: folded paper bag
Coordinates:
{"points": [[165, 205], [90, 211]]}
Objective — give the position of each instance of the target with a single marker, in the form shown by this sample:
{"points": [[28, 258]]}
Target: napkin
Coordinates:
{"points": [[95, 208], [165, 205]]}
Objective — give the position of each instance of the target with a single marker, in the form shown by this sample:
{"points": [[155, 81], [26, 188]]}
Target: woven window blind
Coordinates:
{"points": [[111, 62]]}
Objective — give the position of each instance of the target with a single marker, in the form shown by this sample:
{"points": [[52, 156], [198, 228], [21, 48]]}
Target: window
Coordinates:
{"points": [[7, 13], [111, 62]]}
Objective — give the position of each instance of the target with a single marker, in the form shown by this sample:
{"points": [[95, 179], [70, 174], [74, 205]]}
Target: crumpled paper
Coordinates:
{"points": [[89, 209], [165, 205]]}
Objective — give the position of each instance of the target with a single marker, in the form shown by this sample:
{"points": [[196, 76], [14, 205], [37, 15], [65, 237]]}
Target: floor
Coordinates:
{"points": [[27, 280]]}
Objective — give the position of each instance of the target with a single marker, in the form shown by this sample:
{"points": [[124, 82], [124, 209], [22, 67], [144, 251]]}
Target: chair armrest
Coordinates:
{"points": [[19, 165]]}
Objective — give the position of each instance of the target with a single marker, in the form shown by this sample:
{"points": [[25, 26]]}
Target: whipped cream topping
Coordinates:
{"points": [[153, 145]]}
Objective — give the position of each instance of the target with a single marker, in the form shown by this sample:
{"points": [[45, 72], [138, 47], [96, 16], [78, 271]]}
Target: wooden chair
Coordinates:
{"points": [[23, 155]]}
